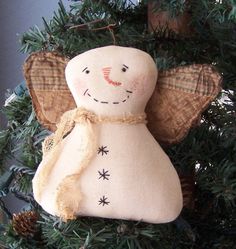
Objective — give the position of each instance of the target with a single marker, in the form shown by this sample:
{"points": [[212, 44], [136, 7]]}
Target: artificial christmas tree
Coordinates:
{"points": [[206, 155]]}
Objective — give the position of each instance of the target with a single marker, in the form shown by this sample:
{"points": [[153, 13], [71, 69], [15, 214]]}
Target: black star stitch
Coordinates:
{"points": [[103, 150], [103, 201], [104, 174]]}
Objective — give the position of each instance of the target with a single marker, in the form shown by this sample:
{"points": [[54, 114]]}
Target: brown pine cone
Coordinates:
{"points": [[25, 223]]}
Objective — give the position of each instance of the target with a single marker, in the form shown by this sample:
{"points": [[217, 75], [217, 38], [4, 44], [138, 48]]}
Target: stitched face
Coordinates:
{"points": [[112, 80]]}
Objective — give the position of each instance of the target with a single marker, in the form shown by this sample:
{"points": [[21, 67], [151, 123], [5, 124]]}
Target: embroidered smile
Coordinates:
{"points": [[86, 93]]}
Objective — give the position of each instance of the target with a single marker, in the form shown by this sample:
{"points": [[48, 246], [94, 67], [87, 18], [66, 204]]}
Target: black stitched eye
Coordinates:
{"points": [[86, 70], [124, 69]]}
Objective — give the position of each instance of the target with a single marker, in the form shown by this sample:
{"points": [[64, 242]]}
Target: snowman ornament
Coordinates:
{"points": [[102, 160]]}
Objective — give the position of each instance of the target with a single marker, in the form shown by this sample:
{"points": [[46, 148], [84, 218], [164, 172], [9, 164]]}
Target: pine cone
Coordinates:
{"points": [[25, 223]]}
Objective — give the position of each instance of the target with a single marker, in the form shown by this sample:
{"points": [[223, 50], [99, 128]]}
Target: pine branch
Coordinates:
{"points": [[22, 197], [22, 170]]}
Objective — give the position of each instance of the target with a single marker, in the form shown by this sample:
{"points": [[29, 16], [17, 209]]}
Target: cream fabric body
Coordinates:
{"points": [[134, 178], [142, 185]]}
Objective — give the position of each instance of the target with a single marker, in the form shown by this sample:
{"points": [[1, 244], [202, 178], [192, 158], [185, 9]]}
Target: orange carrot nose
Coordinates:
{"points": [[106, 72]]}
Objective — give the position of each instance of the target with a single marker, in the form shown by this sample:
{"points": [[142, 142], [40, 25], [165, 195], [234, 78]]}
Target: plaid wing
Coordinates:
{"points": [[45, 77], [181, 95]]}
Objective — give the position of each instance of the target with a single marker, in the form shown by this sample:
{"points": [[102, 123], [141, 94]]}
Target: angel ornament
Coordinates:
{"points": [[102, 159]]}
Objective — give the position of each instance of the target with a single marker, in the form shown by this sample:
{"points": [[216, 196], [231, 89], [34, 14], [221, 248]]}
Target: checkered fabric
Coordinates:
{"points": [[45, 76], [181, 95]]}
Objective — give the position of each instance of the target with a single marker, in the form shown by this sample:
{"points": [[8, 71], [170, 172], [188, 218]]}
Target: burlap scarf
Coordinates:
{"points": [[53, 146]]}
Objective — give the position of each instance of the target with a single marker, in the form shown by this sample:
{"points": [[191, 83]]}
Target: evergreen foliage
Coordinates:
{"points": [[208, 153]]}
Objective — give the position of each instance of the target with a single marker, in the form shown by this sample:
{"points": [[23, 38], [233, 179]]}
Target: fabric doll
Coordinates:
{"points": [[102, 159]]}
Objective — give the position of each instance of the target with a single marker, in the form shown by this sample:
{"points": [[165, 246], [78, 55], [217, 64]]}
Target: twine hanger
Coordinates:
{"points": [[87, 26]]}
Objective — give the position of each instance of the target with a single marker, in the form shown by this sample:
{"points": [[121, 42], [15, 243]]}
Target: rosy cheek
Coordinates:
{"points": [[79, 87], [138, 86]]}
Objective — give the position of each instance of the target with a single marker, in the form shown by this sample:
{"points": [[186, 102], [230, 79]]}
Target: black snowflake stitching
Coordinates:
{"points": [[103, 150], [104, 174], [103, 201]]}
